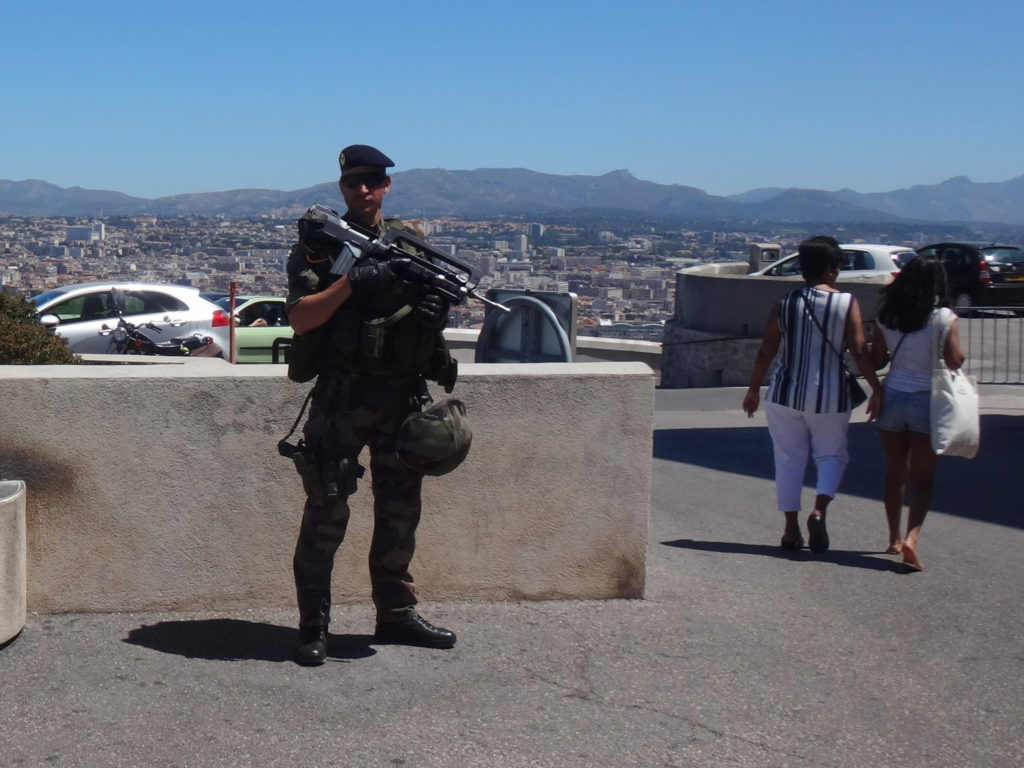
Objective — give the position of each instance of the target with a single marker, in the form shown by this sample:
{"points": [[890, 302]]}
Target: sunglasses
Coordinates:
{"points": [[371, 180]]}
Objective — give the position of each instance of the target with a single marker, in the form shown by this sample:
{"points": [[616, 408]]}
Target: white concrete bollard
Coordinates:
{"points": [[12, 559]]}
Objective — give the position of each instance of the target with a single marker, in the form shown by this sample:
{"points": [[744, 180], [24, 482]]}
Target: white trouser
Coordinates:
{"points": [[795, 434]]}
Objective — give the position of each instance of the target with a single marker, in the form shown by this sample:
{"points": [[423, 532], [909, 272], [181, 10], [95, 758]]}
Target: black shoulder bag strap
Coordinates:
{"points": [[892, 355]]}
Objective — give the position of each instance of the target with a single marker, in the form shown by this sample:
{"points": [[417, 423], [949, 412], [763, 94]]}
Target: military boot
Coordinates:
{"points": [[311, 650], [409, 628]]}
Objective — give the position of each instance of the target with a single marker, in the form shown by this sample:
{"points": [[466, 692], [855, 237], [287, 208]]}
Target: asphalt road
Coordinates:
{"points": [[738, 656]]}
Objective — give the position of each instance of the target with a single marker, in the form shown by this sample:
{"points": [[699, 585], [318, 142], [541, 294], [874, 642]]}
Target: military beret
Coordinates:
{"points": [[360, 156]]}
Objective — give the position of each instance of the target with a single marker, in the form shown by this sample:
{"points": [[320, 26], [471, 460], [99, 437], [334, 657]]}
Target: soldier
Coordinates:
{"points": [[377, 344]]}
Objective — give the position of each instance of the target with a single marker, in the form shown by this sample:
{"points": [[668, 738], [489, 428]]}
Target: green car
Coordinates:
{"points": [[262, 332]]}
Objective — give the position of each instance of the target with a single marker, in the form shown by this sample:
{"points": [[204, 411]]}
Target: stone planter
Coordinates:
{"points": [[12, 559]]}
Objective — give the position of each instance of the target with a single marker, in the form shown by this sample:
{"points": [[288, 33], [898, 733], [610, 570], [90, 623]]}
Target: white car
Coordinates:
{"points": [[79, 312], [862, 260]]}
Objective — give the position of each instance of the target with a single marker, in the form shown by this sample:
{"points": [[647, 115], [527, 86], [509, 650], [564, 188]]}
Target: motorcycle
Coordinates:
{"points": [[128, 339]]}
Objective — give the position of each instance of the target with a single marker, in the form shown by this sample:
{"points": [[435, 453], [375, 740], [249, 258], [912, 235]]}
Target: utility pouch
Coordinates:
{"points": [[373, 347], [374, 340], [304, 355]]}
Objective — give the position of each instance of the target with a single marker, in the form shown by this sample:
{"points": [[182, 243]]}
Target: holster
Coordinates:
{"points": [[338, 477], [324, 478]]}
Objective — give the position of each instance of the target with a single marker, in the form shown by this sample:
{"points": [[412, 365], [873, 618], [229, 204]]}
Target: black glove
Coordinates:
{"points": [[432, 311], [371, 276]]}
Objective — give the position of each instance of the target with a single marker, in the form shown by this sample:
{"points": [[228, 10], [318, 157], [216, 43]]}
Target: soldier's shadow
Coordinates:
{"points": [[238, 640]]}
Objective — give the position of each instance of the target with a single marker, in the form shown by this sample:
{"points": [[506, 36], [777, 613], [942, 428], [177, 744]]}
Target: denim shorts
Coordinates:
{"points": [[903, 411]]}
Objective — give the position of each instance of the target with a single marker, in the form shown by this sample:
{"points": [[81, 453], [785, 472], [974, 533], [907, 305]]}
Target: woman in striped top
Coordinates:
{"points": [[808, 403]]}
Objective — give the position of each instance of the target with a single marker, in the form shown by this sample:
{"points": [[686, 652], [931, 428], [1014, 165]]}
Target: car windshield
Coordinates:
{"points": [[1003, 255], [225, 302], [44, 298]]}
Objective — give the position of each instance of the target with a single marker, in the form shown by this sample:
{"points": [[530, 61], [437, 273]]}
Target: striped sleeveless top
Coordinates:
{"points": [[810, 375]]}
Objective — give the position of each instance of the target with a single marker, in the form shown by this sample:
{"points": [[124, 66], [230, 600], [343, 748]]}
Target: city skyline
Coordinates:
{"points": [[729, 97], [617, 279]]}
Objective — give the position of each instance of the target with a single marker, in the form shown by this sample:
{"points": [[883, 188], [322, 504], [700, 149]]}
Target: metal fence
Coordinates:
{"points": [[993, 340]]}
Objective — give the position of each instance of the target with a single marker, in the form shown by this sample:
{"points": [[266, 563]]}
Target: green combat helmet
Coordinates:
{"points": [[436, 441]]}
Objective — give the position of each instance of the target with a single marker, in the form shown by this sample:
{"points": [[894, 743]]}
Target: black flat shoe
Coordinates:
{"points": [[791, 545], [414, 630], [818, 534], [311, 650]]}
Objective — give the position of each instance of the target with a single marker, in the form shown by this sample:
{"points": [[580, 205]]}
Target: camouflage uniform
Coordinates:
{"points": [[361, 399]]}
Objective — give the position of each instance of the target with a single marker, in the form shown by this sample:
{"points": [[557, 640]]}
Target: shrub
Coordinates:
{"points": [[24, 340]]}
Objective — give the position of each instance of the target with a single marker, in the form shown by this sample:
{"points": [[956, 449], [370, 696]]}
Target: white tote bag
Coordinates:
{"points": [[955, 423]]}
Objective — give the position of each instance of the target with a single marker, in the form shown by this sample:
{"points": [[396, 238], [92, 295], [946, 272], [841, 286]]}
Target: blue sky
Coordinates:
{"points": [[722, 95]]}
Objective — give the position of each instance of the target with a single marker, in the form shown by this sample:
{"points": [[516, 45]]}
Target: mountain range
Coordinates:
{"points": [[517, 192]]}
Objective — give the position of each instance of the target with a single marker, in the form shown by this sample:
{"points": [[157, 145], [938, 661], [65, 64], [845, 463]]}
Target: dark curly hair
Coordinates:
{"points": [[908, 301], [818, 255]]}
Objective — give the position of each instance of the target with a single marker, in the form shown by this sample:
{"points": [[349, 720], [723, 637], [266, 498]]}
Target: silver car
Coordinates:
{"points": [[80, 312]]}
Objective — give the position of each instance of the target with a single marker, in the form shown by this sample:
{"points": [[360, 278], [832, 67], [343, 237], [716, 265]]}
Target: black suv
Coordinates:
{"points": [[981, 274]]}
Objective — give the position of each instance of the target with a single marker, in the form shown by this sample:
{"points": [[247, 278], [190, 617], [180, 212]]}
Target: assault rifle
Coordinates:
{"points": [[421, 264]]}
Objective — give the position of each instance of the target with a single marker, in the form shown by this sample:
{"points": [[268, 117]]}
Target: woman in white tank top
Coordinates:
{"points": [[915, 326]]}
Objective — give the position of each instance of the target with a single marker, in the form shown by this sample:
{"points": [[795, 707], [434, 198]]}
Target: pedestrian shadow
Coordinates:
{"points": [[239, 640], [975, 489], [845, 557]]}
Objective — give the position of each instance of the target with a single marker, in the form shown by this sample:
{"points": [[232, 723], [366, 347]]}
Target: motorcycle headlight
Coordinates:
{"points": [[119, 335]]}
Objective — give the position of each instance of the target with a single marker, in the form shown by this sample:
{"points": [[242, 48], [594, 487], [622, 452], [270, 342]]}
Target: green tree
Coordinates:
{"points": [[24, 340]]}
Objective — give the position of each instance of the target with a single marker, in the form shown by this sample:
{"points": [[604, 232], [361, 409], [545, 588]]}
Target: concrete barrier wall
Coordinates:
{"points": [[12, 559], [719, 318], [722, 298], [160, 487], [589, 349], [595, 349]]}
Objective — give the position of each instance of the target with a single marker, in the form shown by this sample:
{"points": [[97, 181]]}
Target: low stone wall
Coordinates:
{"points": [[719, 318], [596, 348], [589, 349], [12, 559], [702, 359], [160, 487]]}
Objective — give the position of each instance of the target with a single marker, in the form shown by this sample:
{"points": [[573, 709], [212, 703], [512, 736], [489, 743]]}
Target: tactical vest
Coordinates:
{"points": [[370, 334]]}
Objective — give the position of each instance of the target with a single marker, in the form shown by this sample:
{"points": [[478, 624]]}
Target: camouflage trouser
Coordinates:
{"points": [[346, 415]]}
